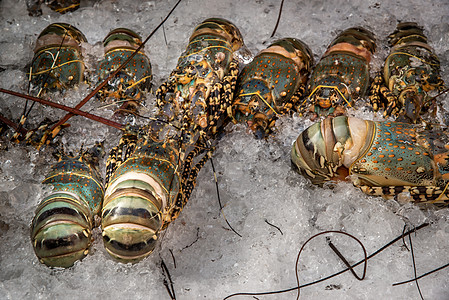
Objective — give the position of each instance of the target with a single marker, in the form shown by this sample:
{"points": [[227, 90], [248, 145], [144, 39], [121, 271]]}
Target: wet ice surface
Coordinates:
{"points": [[255, 178]]}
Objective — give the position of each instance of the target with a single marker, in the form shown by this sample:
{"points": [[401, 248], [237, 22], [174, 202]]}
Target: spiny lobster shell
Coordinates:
{"points": [[384, 158], [412, 69], [342, 74], [199, 87], [61, 230], [265, 87], [58, 62], [135, 78], [139, 199]]}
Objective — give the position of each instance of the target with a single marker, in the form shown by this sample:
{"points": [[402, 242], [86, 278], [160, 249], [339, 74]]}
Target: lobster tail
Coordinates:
{"points": [[61, 231], [358, 37], [139, 197], [406, 33], [326, 150], [131, 218], [58, 61]]}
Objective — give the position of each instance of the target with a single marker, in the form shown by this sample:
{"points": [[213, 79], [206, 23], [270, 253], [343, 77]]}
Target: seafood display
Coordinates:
{"points": [[137, 223]]}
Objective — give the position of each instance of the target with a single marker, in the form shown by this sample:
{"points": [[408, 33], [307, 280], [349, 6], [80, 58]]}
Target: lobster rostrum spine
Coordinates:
{"points": [[61, 230], [58, 61], [201, 87], [411, 71], [143, 182], [383, 158], [342, 74], [272, 84], [132, 81]]}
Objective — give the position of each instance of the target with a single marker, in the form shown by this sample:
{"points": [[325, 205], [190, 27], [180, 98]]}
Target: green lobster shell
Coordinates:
{"points": [[411, 71], [383, 158], [140, 199], [342, 74], [135, 78], [58, 63], [61, 230], [201, 87], [272, 84]]}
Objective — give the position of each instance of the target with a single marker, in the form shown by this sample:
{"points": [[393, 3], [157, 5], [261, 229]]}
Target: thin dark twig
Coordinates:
{"points": [[414, 266], [340, 272], [403, 238], [168, 284], [173, 256], [345, 261], [219, 199], [279, 18], [112, 75], [266, 221], [423, 275], [326, 232], [165, 37]]}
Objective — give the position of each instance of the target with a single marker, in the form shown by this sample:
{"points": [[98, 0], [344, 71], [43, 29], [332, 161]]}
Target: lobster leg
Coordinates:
{"points": [[166, 87], [379, 91], [220, 102], [293, 102], [189, 176], [115, 158], [419, 194]]}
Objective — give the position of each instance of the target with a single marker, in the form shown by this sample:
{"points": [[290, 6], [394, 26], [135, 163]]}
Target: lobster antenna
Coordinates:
{"points": [[414, 266], [344, 270], [113, 74], [219, 199], [423, 275], [279, 19], [63, 107], [437, 95]]}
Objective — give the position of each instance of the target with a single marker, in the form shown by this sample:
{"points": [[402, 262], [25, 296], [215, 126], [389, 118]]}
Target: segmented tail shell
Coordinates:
{"points": [[137, 202], [266, 85], [220, 27], [61, 230], [135, 78], [323, 150], [357, 36], [406, 33], [58, 61]]}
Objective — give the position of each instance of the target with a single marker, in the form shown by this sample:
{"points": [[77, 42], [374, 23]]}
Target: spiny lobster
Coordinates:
{"points": [[271, 85], [342, 75], [383, 158], [411, 72]]}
